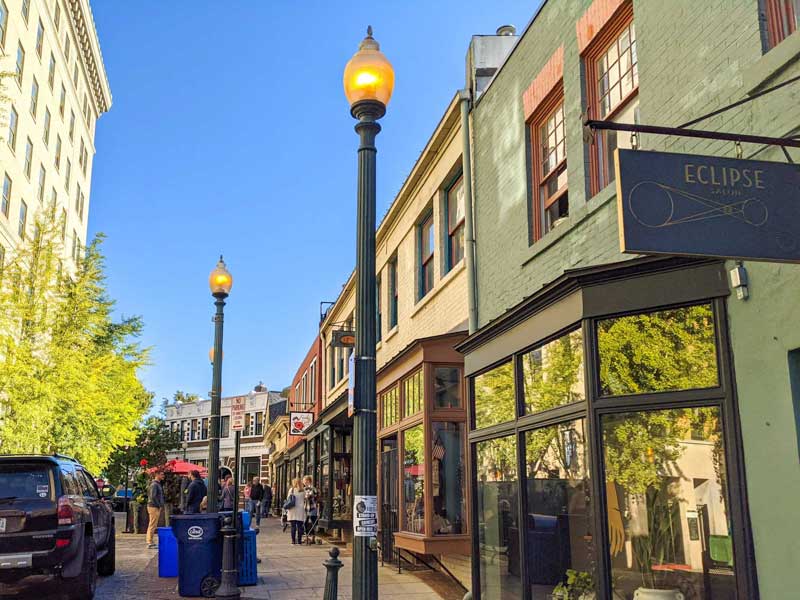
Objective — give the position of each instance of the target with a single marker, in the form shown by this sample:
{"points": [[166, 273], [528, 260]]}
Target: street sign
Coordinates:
{"points": [[299, 422], [695, 205], [365, 516], [237, 412]]}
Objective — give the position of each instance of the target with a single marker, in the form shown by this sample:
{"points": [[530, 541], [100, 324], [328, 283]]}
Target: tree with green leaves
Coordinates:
{"points": [[68, 368], [153, 440]]}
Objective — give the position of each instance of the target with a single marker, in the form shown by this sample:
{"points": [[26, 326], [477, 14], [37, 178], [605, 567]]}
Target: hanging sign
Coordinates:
{"points": [[299, 422], [365, 516], [237, 412], [696, 205], [343, 338]]}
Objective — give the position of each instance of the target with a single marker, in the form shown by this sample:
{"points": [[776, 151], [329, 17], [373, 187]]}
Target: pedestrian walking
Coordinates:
{"points": [[195, 494], [266, 503], [155, 504], [311, 500], [254, 503], [296, 510], [227, 495]]}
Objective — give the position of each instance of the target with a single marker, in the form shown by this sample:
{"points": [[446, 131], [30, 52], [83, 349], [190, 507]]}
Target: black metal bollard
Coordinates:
{"points": [[228, 588], [333, 564]]}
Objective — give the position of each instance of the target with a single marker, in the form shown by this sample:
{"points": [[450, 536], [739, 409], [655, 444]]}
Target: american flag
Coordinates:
{"points": [[438, 450]]}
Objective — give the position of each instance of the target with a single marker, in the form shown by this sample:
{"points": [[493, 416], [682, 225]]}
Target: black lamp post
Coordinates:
{"points": [[368, 85]]}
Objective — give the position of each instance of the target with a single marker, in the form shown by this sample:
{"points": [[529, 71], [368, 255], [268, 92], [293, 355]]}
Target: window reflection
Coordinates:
{"points": [[552, 374], [498, 528], [447, 478], [668, 526], [494, 396], [414, 479], [447, 387], [558, 519], [659, 351]]}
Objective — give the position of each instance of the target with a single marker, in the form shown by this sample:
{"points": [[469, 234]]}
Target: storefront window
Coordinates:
{"points": [[447, 387], [414, 479], [414, 394], [251, 467], [552, 374], [668, 515], [341, 472], [496, 512], [447, 478], [390, 407], [494, 396], [558, 524], [660, 351]]}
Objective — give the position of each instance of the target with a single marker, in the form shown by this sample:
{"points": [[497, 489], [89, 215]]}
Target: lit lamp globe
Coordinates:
{"points": [[368, 78], [211, 355], [220, 281]]}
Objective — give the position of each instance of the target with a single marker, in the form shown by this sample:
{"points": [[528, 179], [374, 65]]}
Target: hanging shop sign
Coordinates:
{"points": [[343, 338], [237, 412], [695, 205], [300, 422]]}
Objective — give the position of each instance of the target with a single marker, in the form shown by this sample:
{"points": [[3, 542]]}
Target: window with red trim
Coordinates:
{"points": [[613, 87], [550, 196], [783, 17]]}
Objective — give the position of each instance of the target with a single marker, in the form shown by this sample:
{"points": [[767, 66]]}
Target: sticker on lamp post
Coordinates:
{"points": [[365, 516]]}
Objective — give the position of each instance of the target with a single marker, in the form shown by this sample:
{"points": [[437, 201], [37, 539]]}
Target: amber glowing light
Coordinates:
{"points": [[220, 281], [369, 74]]}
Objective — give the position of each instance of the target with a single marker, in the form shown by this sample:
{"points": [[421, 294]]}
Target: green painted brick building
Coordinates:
{"points": [[633, 421]]}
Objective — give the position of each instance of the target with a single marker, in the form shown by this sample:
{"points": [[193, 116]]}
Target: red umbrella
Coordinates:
{"points": [[180, 467]]}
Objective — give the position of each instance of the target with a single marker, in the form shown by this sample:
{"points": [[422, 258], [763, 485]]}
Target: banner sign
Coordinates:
{"points": [[351, 386], [343, 338], [696, 205], [299, 422], [365, 516], [237, 412]]}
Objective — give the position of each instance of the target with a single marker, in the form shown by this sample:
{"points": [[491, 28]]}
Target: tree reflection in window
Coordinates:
{"points": [[552, 374], [665, 350], [414, 479], [494, 396]]}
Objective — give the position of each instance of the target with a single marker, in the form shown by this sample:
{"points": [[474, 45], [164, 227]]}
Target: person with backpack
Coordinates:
{"points": [[311, 497], [295, 510]]}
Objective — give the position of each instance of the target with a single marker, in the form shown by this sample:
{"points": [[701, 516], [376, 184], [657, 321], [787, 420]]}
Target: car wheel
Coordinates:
{"points": [[86, 582], [107, 565]]}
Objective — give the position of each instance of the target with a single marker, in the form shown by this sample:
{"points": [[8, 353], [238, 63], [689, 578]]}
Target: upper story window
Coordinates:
{"points": [[549, 152], [34, 97], [612, 86], [23, 218], [3, 23], [393, 292], [57, 161], [67, 47], [783, 17], [426, 252], [313, 379], [5, 200], [71, 125], [57, 16], [46, 129], [68, 175], [28, 158], [20, 67], [378, 315], [390, 407], [75, 74], [454, 208], [26, 10], [413, 394], [51, 71], [62, 100], [12, 128], [42, 182], [39, 39]]}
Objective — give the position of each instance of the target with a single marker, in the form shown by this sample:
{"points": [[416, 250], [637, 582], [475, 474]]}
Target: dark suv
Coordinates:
{"points": [[53, 522]]}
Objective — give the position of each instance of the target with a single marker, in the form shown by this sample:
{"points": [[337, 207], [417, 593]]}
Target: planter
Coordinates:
{"points": [[651, 594]]}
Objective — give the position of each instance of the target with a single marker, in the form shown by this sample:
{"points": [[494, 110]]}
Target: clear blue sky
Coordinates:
{"points": [[229, 132]]}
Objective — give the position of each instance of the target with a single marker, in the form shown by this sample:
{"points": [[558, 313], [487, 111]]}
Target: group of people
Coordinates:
{"points": [[302, 509]]}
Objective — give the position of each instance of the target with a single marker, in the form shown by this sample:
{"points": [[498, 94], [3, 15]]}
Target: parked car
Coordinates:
{"points": [[55, 523], [118, 500]]}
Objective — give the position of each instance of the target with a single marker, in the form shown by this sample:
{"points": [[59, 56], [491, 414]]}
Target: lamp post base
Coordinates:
{"points": [[227, 588]]}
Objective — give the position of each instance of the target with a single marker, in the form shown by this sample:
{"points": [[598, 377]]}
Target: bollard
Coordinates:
{"points": [[333, 564], [228, 586]]}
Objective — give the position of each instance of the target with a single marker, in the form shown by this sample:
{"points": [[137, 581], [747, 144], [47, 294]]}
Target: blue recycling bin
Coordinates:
{"points": [[199, 553], [248, 561], [246, 519], [167, 553]]}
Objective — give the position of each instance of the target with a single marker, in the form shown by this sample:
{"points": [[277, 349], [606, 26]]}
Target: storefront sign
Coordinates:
{"points": [[343, 338], [300, 422], [708, 206], [237, 413], [365, 516]]}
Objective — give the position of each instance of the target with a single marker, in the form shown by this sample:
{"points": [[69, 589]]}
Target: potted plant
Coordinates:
{"points": [[579, 585]]}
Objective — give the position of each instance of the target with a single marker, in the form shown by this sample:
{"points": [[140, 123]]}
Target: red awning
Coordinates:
{"points": [[180, 467]]}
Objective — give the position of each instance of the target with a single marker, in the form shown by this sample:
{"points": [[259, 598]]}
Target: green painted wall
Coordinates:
{"points": [[693, 57]]}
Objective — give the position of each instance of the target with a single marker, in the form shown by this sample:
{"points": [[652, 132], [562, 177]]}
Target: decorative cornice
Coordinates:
{"points": [[83, 24]]}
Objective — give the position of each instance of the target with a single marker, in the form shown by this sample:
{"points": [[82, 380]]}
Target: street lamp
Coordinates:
{"points": [[185, 447], [368, 85], [220, 281]]}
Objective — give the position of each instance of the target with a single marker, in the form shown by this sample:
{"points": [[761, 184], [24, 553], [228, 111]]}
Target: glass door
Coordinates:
{"points": [[390, 509]]}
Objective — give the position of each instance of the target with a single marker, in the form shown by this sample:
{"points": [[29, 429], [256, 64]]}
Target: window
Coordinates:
{"points": [[378, 321], [390, 407], [550, 196], [494, 396], [496, 511], [81, 206], [68, 175], [313, 378], [225, 426], [28, 158], [58, 153], [613, 84], [686, 358], [204, 428], [552, 374], [331, 366], [85, 106], [12, 128], [259, 423], [414, 394], [63, 224], [339, 364], [393, 293], [75, 247], [454, 209], [426, 247], [2, 259], [42, 182], [75, 75], [414, 479], [39, 39], [251, 467], [447, 387], [34, 97], [448, 478], [782, 20], [3, 23], [78, 198], [5, 201], [51, 71], [46, 129], [62, 100], [71, 125], [67, 47], [26, 10], [83, 158], [53, 197], [23, 219], [57, 16], [20, 63]]}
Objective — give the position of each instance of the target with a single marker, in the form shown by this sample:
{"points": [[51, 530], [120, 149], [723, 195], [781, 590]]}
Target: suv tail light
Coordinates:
{"points": [[66, 515]]}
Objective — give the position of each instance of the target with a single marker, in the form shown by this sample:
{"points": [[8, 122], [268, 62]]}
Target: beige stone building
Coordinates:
{"points": [[48, 124]]}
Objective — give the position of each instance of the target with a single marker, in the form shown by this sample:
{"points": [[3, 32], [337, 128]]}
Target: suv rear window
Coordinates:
{"points": [[26, 480]]}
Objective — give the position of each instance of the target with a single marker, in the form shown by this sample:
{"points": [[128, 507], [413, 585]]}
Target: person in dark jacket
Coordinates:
{"points": [[195, 494], [254, 503], [155, 504], [266, 503], [227, 495]]}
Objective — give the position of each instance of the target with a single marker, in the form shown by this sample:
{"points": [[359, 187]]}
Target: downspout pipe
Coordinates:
{"points": [[469, 229]]}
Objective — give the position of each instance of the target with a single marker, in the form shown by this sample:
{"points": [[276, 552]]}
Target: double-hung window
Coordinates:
{"points": [[454, 205], [51, 72], [57, 161], [378, 315], [39, 39], [426, 253], [23, 218], [34, 97], [20, 68], [548, 135], [12, 128], [26, 10], [62, 101], [783, 17], [3, 23], [46, 130], [393, 292], [42, 182], [613, 86], [5, 201], [28, 158]]}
